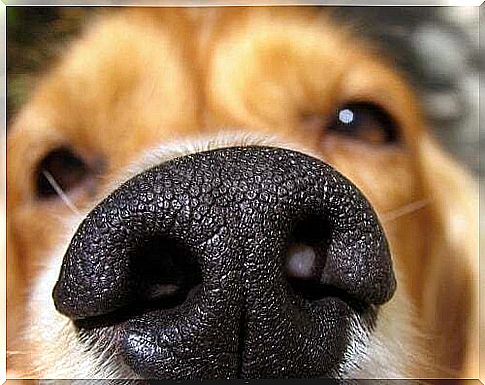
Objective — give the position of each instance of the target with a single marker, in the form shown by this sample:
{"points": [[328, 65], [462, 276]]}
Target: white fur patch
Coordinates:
{"points": [[392, 349], [224, 138]]}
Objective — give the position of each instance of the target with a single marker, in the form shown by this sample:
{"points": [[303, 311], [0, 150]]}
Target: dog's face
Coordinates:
{"points": [[232, 193]]}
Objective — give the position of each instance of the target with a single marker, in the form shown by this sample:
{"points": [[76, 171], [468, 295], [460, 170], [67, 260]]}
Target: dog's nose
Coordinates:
{"points": [[236, 262]]}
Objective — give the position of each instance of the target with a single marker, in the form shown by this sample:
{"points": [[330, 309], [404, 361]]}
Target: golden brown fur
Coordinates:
{"points": [[141, 79]]}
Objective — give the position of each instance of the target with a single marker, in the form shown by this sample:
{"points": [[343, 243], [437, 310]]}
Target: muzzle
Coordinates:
{"points": [[247, 262]]}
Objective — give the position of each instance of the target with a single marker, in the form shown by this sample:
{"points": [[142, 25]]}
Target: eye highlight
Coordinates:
{"points": [[61, 167], [364, 121]]}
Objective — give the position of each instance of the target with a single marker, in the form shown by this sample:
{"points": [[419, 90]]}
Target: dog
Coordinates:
{"points": [[234, 193]]}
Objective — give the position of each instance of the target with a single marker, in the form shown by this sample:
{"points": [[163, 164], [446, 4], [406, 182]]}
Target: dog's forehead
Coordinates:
{"points": [[252, 67], [139, 78], [126, 77]]}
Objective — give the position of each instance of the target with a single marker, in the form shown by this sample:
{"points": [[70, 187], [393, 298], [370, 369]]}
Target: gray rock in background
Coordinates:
{"points": [[438, 48]]}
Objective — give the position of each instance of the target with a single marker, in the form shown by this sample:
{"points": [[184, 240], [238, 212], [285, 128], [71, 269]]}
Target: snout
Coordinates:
{"points": [[239, 262]]}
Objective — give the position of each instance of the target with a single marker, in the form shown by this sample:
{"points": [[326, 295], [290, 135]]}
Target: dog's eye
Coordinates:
{"points": [[364, 121], [60, 169]]}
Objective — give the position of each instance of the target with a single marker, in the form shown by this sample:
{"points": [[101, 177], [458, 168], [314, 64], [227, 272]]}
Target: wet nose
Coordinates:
{"points": [[236, 262]]}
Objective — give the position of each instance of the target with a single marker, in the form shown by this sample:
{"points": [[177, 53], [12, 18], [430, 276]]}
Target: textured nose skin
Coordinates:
{"points": [[234, 211]]}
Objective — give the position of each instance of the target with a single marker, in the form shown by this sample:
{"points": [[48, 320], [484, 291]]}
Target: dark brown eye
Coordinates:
{"points": [[59, 169], [364, 121]]}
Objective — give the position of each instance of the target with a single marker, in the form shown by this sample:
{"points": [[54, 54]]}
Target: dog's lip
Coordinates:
{"points": [[119, 329]]}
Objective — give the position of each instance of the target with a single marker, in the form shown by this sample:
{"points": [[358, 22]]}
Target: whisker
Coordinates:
{"points": [[59, 192], [15, 352], [404, 210]]}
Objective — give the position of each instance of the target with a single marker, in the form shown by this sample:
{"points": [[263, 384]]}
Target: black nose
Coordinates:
{"points": [[237, 262]]}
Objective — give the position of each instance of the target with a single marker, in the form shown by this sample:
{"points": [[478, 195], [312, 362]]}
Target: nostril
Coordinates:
{"points": [[166, 272], [306, 257], [163, 274], [306, 260]]}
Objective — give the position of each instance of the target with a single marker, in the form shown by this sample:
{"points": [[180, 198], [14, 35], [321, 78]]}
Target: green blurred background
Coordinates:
{"points": [[35, 38]]}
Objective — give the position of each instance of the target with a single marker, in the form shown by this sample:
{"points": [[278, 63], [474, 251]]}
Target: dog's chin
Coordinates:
{"points": [[378, 339]]}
